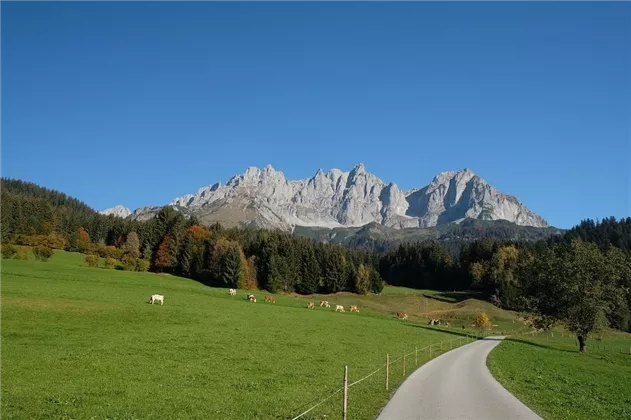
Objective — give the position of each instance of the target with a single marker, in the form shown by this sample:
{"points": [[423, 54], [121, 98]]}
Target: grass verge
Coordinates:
{"points": [[550, 376]]}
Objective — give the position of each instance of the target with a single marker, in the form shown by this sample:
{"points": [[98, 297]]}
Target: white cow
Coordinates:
{"points": [[156, 298], [339, 308], [233, 292]]}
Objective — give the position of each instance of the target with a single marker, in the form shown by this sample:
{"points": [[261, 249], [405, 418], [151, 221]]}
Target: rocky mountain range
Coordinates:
{"points": [[335, 199]]}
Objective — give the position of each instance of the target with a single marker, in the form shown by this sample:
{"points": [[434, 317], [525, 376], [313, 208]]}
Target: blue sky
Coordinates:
{"points": [[137, 103]]}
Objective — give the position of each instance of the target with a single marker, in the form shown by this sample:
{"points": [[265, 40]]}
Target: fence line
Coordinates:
{"points": [[388, 363], [366, 377], [318, 404]]}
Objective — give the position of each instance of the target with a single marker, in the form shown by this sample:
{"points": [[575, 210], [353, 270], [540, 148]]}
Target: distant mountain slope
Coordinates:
{"points": [[336, 199], [378, 237]]}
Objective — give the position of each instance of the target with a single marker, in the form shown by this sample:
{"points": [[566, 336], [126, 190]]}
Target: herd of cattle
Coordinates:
{"points": [[323, 303], [310, 305]]}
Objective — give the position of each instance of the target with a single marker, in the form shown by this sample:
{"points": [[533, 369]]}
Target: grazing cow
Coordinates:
{"points": [[325, 303], [354, 308], [156, 298], [269, 299], [311, 305], [434, 322], [233, 292], [447, 324], [339, 308], [252, 298], [402, 315]]}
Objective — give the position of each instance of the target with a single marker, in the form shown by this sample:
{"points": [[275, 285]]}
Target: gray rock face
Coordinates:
{"points": [[453, 196], [264, 198], [119, 211]]}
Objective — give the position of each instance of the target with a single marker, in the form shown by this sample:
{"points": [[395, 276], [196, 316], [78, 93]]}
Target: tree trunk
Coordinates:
{"points": [[581, 344]]}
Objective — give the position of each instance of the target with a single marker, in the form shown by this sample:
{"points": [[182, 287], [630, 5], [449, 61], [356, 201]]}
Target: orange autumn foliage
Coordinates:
{"points": [[198, 232], [165, 256]]}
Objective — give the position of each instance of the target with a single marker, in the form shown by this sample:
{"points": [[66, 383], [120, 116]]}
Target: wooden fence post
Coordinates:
{"points": [[345, 401], [404, 363], [387, 370]]}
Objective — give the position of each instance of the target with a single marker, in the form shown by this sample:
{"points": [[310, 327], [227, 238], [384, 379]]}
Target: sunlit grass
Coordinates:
{"points": [[549, 375], [80, 342]]}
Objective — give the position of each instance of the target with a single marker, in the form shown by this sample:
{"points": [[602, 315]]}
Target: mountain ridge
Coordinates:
{"points": [[338, 199]]}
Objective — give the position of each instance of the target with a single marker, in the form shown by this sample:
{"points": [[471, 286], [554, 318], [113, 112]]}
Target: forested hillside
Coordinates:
{"points": [[585, 270]]}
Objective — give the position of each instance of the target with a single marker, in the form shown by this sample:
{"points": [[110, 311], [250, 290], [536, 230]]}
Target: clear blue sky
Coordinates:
{"points": [[137, 103]]}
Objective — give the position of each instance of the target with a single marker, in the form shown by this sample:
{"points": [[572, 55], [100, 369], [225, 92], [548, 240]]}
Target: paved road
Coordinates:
{"points": [[456, 385]]}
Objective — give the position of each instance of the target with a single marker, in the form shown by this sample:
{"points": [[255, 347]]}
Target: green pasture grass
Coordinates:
{"points": [[458, 308], [81, 342], [549, 375]]}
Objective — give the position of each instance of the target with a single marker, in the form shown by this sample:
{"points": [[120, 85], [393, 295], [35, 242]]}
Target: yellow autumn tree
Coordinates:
{"points": [[482, 321]]}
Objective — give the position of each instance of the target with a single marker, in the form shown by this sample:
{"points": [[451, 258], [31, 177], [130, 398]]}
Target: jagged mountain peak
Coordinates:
{"points": [[118, 210], [264, 197]]}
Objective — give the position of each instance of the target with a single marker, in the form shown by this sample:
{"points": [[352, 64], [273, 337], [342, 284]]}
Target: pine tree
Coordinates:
{"points": [[232, 270], [310, 278], [185, 259]]}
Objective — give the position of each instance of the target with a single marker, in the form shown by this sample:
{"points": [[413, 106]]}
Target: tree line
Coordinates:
{"points": [[582, 276]]}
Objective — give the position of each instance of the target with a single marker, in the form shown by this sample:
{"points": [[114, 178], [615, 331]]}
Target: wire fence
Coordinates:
{"points": [[427, 353]]}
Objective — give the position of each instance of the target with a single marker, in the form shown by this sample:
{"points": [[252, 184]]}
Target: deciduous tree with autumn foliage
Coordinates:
{"points": [[164, 260]]}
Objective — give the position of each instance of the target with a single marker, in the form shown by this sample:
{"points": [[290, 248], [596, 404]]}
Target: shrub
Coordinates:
{"points": [[129, 262], [92, 260], [8, 251], [142, 265], [110, 263], [107, 251], [23, 253], [113, 252], [51, 241], [42, 253]]}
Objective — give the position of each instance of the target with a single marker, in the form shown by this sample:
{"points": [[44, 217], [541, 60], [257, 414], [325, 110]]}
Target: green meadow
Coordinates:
{"points": [[549, 375], [81, 342]]}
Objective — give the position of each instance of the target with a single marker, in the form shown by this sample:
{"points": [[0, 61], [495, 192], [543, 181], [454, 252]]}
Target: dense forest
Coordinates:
{"points": [[585, 270]]}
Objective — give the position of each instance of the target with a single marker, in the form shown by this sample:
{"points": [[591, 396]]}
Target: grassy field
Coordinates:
{"points": [[457, 308], [558, 382], [80, 342]]}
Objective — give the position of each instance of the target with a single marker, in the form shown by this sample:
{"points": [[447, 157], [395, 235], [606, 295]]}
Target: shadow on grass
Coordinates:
{"points": [[453, 331], [542, 346], [455, 297]]}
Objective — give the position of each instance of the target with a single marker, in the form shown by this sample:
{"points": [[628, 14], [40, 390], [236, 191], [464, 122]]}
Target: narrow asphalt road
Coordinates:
{"points": [[456, 385]]}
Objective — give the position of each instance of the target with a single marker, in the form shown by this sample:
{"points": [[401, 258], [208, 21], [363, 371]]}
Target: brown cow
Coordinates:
{"points": [[270, 299], [354, 308], [402, 315]]}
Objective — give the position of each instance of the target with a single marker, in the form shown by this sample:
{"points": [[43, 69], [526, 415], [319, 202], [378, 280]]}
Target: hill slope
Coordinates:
{"points": [[81, 342]]}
